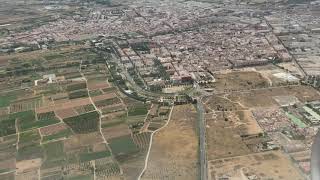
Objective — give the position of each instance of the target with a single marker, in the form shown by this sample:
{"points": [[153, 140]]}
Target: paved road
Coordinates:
{"points": [[255, 89], [315, 158], [141, 91], [202, 135], [295, 61]]}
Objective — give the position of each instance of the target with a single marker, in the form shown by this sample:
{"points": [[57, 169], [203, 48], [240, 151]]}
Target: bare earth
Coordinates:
{"points": [[174, 149], [270, 165]]}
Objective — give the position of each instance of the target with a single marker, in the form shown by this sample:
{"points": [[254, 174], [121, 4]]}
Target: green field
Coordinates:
{"points": [[53, 56], [138, 109], [65, 133], [78, 94], [84, 157], [29, 152], [84, 123], [123, 146], [135, 119], [81, 177], [7, 126], [115, 121], [73, 75], [109, 90], [29, 145], [296, 120], [29, 137], [78, 86], [84, 109], [46, 116], [6, 100], [27, 120], [107, 102], [54, 154]]}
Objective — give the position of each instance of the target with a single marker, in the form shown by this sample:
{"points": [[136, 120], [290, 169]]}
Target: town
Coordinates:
{"points": [[170, 89]]}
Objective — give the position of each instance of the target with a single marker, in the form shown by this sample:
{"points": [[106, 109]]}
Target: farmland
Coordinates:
{"points": [[84, 123], [123, 146], [52, 130], [158, 90], [83, 126]]}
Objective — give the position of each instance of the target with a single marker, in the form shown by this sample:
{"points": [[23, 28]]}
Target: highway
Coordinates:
{"points": [[202, 133], [139, 90], [202, 139]]}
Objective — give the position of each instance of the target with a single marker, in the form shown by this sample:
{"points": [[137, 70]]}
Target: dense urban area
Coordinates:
{"points": [[158, 89]]}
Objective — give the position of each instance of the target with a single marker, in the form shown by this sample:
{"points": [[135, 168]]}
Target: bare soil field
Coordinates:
{"points": [[112, 118], [99, 147], [220, 103], [66, 113], [101, 85], [116, 131], [248, 124], [264, 97], [241, 80], [89, 139], [64, 105], [223, 138], [3, 61], [52, 129], [103, 97], [7, 165], [267, 165], [272, 73], [40, 54], [174, 152], [32, 175], [28, 165], [133, 166], [9, 176], [81, 140]]}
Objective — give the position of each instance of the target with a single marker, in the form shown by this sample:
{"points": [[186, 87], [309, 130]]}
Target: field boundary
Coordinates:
{"points": [[150, 144]]}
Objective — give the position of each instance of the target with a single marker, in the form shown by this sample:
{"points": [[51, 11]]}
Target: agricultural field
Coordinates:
{"points": [[123, 146], [158, 90], [84, 123], [79, 126]]}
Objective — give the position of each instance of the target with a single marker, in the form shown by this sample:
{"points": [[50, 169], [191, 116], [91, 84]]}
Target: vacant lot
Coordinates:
{"points": [[268, 165], [223, 138], [242, 80], [247, 123], [264, 97], [221, 103], [174, 150]]}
